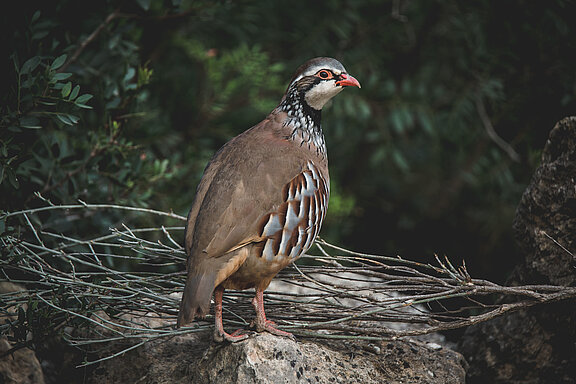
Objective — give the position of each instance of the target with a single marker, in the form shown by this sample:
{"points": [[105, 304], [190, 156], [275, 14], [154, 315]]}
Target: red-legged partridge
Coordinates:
{"points": [[262, 199]]}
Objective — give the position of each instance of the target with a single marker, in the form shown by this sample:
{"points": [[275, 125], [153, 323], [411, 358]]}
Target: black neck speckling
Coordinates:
{"points": [[305, 120]]}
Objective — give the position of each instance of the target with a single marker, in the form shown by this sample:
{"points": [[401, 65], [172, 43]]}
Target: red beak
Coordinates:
{"points": [[348, 81]]}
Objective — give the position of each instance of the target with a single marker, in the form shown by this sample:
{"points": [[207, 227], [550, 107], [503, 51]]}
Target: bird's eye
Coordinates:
{"points": [[324, 74]]}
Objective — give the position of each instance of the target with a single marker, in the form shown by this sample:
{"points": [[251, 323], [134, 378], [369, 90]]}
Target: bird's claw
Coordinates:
{"points": [[234, 337], [271, 327]]}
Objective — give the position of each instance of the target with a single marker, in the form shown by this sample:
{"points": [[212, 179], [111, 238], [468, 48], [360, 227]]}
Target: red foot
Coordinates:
{"points": [[260, 323], [270, 327], [237, 335], [219, 332]]}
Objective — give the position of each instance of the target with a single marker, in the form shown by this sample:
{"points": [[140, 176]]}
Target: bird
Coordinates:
{"points": [[261, 201]]}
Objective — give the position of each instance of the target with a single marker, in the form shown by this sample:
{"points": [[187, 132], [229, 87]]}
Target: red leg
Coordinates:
{"points": [[260, 322], [219, 333]]}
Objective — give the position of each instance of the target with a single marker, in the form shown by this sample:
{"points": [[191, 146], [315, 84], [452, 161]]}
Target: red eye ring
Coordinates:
{"points": [[324, 74]]}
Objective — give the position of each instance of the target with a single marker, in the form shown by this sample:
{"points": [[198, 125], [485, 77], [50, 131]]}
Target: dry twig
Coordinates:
{"points": [[125, 284]]}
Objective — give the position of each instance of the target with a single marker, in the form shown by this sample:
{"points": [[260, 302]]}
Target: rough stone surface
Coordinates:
{"points": [[537, 345], [545, 222], [22, 366], [264, 358], [269, 359]]}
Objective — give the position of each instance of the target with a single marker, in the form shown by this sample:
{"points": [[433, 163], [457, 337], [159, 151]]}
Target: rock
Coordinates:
{"points": [[269, 359], [21, 366], [545, 222], [537, 345], [158, 362], [265, 358]]}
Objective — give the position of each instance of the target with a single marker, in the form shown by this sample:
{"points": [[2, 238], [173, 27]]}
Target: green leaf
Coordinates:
{"points": [[67, 118], [64, 119], [30, 65], [397, 122], [82, 99], [12, 178], [74, 119], [144, 4], [66, 89], [407, 117], [129, 74], [400, 160], [48, 103], [30, 122], [144, 76], [61, 76], [363, 111], [39, 35], [35, 16], [74, 93], [60, 60], [426, 122]]}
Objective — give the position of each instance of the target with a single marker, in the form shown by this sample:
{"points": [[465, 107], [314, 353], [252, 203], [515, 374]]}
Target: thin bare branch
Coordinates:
{"points": [[481, 109], [337, 294]]}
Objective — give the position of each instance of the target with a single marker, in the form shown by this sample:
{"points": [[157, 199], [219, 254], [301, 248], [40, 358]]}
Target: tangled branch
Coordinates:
{"points": [[125, 285]]}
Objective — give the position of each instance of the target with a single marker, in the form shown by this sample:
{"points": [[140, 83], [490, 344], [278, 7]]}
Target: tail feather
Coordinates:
{"points": [[196, 297]]}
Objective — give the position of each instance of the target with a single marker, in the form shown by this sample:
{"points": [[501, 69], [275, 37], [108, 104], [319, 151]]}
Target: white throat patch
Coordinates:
{"points": [[321, 93]]}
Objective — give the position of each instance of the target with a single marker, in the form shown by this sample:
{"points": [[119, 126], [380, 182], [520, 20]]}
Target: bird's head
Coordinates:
{"points": [[320, 79]]}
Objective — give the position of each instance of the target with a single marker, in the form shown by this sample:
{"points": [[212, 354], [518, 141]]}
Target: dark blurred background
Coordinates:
{"points": [[430, 156]]}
